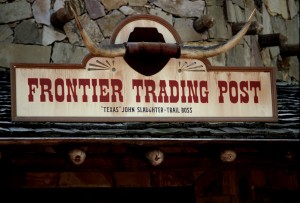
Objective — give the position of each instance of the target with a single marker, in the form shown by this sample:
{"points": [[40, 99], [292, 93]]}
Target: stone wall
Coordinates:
{"points": [[27, 35]]}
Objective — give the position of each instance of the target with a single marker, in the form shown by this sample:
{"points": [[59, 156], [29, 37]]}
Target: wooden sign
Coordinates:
{"points": [[144, 81], [108, 89]]}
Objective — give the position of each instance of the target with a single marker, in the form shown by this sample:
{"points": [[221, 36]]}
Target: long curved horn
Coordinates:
{"points": [[197, 52], [112, 50]]}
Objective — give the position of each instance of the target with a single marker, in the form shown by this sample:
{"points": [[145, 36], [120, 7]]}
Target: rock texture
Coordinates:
{"points": [[26, 23]]}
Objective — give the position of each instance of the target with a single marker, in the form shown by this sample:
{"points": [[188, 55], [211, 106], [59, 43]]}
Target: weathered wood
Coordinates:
{"points": [[113, 167], [60, 17], [271, 40], [204, 23], [229, 182], [254, 29], [135, 162], [287, 50]]}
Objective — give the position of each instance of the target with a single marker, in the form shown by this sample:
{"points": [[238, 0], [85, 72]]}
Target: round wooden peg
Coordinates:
{"points": [[228, 155], [77, 156], [155, 157]]}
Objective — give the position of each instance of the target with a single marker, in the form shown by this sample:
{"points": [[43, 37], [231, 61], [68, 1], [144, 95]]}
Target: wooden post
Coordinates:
{"points": [[60, 18], [254, 28], [204, 23], [287, 50], [271, 40]]}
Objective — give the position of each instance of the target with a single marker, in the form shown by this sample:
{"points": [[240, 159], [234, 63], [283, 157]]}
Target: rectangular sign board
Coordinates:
{"points": [[109, 90]]}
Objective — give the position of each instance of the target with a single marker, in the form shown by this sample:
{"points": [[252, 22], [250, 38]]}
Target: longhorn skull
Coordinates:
{"points": [[173, 50]]}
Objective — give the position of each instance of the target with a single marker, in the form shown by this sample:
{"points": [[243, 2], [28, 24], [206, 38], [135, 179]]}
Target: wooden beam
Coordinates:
{"points": [[206, 159], [287, 50], [271, 40], [254, 29]]}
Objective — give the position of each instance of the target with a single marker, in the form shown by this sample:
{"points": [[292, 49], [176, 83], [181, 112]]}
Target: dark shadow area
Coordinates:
{"points": [[264, 195], [103, 195]]}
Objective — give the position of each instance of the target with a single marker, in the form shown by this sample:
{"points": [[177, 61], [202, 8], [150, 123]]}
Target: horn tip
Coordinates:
{"points": [[252, 14]]}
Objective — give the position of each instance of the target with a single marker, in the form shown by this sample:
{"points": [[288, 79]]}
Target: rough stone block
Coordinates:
{"points": [[19, 53]]}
